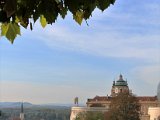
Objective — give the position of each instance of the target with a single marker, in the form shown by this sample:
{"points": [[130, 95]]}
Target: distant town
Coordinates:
{"points": [[28, 111], [149, 106]]}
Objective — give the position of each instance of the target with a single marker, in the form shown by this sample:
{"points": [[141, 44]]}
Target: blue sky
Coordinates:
{"points": [[55, 64]]}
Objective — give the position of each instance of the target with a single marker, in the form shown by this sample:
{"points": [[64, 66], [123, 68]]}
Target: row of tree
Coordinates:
{"points": [[37, 113]]}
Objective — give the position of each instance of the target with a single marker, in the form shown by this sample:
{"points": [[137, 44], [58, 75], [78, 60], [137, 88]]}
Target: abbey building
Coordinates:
{"points": [[102, 103]]}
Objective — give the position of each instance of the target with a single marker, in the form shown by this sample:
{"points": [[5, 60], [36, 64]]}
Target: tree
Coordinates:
{"points": [[124, 107], [16, 13], [90, 116], [158, 92]]}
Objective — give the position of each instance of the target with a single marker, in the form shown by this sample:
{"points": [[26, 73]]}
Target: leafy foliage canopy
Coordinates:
{"points": [[125, 106], [16, 13]]}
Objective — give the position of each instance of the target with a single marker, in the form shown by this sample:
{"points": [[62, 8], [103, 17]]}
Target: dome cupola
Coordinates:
{"points": [[121, 82], [119, 86]]}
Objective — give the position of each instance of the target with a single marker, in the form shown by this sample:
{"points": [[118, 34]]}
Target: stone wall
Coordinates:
{"points": [[154, 113]]}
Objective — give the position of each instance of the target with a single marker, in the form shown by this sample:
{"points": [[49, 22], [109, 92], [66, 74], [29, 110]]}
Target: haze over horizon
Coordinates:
{"points": [[65, 60]]}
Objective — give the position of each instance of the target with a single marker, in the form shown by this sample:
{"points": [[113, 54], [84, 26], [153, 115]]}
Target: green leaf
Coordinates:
{"points": [[63, 12], [4, 29], [10, 30], [3, 16], [10, 7], [103, 4], [43, 21], [24, 22], [17, 20], [79, 17]]}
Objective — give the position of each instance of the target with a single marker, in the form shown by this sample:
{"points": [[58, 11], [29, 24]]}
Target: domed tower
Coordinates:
{"points": [[119, 86]]}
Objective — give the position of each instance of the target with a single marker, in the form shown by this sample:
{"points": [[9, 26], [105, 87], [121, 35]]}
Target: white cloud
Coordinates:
{"points": [[149, 74], [103, 42]]}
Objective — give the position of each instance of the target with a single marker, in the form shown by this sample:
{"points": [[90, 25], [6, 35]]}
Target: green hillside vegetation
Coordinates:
{"points": [[37, 113]]}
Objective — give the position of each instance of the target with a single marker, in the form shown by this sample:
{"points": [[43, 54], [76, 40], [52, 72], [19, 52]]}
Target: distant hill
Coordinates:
{"points": [[14, 104], [30, 105]]}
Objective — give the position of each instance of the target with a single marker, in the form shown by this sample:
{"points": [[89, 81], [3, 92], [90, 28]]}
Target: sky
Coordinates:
{"points": [[65, 60]]}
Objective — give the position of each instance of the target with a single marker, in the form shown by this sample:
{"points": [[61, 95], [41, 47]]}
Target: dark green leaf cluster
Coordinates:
{"points": [[26, 12]]}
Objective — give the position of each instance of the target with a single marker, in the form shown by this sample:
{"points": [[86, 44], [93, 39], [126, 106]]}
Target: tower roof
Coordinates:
{"points": [[22, 107], [121, 81]]}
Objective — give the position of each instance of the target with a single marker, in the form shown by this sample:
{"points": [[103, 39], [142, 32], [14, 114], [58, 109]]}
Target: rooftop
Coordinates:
{"points": [[140, 98], [120, 82]]}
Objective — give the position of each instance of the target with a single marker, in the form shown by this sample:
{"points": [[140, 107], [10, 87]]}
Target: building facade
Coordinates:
{"points": [[154, 113], [121, 86]]}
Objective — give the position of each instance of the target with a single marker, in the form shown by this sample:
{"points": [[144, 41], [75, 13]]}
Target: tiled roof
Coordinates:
{"points": [[147, 98], [108, 98], [100, 98]]}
